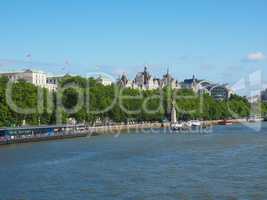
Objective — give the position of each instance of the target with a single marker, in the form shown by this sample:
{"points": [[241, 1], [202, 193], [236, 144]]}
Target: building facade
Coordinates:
{"points": [[104, 80], [37, 78], [192, 84], [217, 91], [169, 81], [263, 96], [145, 81], [220, 92]]}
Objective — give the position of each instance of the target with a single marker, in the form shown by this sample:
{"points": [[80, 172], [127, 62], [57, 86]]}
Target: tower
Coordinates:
{"points": [[145, 69], [146, 75]]}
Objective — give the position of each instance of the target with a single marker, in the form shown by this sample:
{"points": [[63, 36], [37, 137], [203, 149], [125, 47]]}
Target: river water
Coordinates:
{"points": [[228, 163]]}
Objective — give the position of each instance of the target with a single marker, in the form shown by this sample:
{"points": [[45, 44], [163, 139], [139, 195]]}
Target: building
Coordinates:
{"points": [[104, 80], [13, 76], [263, 96], [168, 80], [204, 86], [157, 83], [220, 92], [217, 91], [52, 82], [51, 87], [191, 84], [37, 78], [124, 81], [198, 86], [145, 81]]}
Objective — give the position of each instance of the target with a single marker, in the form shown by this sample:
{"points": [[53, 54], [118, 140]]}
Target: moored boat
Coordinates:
{"points": [[225, 122], [196, 123], [254, 118], [188, 124], [176, 126]]}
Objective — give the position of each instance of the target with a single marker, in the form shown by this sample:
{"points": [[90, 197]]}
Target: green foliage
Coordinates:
{"points": [[110, 103]]}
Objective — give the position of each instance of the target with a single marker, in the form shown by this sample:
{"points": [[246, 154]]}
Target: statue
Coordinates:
{"points": [[173, 114]]}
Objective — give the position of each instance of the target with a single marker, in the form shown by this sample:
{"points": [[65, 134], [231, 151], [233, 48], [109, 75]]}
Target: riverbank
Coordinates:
{"points": [[233, 121], [89, 131], [99, 130]]}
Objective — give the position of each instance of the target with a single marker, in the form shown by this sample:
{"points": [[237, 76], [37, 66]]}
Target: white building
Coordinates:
{"points": [[51, 87], [104, 80], [143, 80], [52, 82], [37, 78], [53, 79]]}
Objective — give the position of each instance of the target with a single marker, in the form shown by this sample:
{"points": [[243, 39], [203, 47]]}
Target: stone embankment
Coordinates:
{"points": [[89, 131]]}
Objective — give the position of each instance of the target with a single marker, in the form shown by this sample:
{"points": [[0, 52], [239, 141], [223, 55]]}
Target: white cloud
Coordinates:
{"points": [[256, 56]]}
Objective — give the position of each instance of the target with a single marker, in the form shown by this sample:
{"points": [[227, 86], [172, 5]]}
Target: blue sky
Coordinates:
{"points": [[222, 41]]}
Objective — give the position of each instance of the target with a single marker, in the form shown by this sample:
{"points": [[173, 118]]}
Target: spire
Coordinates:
{"points": [[124, 77], [145, 69]]}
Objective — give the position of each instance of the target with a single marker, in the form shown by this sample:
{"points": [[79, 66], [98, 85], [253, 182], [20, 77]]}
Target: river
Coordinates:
{"points": [[228, 163]]}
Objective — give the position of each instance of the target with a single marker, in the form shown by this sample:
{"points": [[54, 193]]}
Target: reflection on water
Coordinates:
{"points": [[230, 163]]}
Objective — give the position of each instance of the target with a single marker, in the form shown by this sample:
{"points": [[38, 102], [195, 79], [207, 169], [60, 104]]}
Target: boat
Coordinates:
{"points": [[225, 122], [196, 123], [254, 118], [176, 126], [188, 124]]}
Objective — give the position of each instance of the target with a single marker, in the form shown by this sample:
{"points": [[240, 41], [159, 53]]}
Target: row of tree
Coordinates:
{"points": [[88, 101]]}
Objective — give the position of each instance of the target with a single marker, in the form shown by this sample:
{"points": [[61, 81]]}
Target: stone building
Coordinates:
{"points": [[145, 81], [168, 80], [37, 78], [220, 92], [104, 80]]}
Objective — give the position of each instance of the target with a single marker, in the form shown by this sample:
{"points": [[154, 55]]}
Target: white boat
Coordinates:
{"points": [[254, 118], [188, 124], [196, 123], [176, 126]]}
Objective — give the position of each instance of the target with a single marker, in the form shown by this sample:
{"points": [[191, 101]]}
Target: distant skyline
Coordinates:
{"points": [[222, 41]]}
